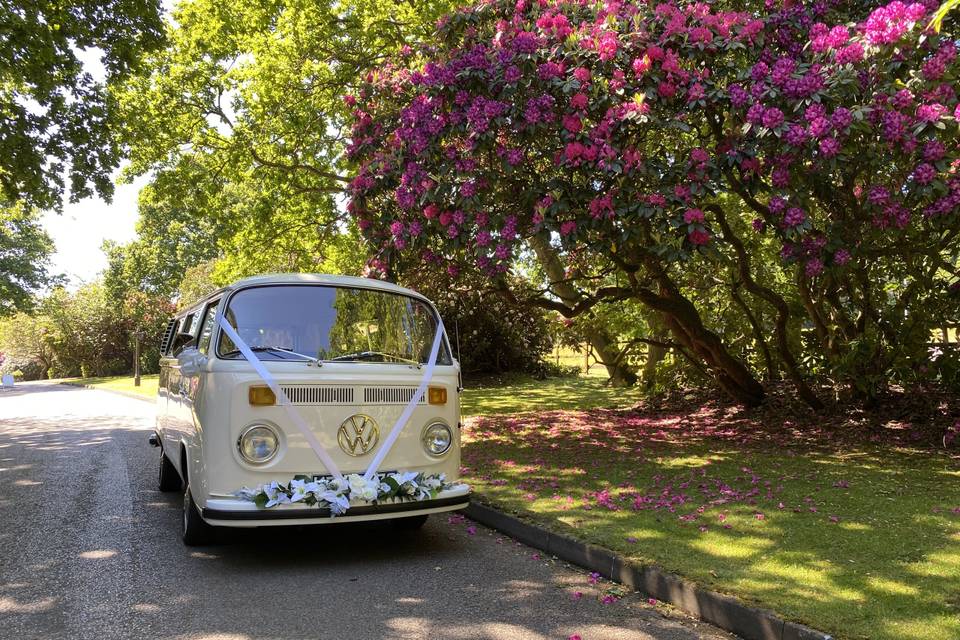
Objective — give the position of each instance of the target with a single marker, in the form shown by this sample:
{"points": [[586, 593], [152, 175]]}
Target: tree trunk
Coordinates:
{"points": [[608, 353], [655, 354], [777, 302], [684, 322], [620, 372]]}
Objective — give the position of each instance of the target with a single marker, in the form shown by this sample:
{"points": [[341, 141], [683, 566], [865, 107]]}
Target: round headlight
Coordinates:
{"points": [[258, 444], [437, 438]]}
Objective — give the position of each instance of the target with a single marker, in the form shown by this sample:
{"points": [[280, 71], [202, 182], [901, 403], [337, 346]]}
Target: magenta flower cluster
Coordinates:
{"points": [[544, 116]]}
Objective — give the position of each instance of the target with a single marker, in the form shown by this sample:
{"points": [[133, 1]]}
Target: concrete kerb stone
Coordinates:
{"points": [[720, 610]]}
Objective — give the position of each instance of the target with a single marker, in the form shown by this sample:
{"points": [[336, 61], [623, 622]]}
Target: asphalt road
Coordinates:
{"points": [[90, 549]]}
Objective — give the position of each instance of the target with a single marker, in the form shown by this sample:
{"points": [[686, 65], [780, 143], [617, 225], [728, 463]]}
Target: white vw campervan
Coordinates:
{"points": [[300, 399]]}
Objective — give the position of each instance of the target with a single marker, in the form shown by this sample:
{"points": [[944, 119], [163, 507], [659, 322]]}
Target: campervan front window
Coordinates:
{"points": [[332, 324]]}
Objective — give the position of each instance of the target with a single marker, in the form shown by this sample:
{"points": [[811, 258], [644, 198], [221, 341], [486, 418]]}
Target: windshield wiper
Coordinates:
{"points": [[313, 360], [364, 355]]}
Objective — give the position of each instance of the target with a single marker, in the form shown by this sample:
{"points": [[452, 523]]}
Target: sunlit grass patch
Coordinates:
{"points": [[148, 384]]}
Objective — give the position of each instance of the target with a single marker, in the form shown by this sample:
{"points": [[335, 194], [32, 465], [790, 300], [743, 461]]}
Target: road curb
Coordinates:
{"points": [[135, 396], [720, 610]]}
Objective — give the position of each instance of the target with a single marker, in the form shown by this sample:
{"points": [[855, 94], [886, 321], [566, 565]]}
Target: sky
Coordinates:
{"points": [[80, 230]]}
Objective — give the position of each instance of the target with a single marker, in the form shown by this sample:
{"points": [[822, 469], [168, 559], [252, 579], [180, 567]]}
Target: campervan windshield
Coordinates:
{"points": [[331, 324]]}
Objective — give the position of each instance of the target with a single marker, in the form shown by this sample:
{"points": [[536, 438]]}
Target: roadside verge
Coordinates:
{"points": [[135, 396]]}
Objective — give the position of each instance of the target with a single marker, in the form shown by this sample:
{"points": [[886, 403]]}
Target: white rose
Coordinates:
{"points": [[357, 483], [369, 493]]}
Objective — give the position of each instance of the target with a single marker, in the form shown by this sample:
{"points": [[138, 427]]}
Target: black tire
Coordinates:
{"points": [[196, 531], [169, 479], [413, 523]]}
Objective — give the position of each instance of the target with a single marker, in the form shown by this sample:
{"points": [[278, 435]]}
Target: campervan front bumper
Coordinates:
{"points": [[228, 511]]}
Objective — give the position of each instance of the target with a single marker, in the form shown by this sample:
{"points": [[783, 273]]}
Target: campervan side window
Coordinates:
{"points": [[206, 329]]}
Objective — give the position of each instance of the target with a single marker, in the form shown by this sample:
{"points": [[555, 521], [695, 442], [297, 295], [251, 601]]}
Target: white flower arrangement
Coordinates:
{"points": [[336, 494]]}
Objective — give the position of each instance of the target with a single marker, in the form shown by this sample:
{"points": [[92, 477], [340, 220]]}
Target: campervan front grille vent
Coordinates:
{"points": [[318, 394], [390, 395]]}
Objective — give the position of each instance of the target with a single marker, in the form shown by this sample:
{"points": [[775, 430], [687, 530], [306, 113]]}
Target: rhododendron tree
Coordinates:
{"points": [[630, 146]]}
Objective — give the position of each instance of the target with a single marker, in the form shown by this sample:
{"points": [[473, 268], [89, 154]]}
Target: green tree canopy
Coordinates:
{"points": [[56, 118], [239, 119], [25, 250]]}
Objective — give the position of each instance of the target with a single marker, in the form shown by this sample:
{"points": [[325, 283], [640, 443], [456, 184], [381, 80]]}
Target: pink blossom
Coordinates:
{"points": [[607, 45], [579, 101], [829, 147], [666, 89], [841, 257], [851, 53], [772, 118], [699, 237], [641, 65], [568, 227], [887, 24], [931, 112], [572, 123], [693, 216], [814, 267]]}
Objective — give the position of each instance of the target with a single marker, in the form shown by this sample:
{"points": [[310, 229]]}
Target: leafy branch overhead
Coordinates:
{"points": [[59, 122]]}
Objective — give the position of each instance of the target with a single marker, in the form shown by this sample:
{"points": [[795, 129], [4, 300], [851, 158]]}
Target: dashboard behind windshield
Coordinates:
{"points": [[331, 324]]}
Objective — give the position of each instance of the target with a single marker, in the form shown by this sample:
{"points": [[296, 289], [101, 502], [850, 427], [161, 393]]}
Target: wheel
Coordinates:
{"points": [[169, 479], [196, 531], [410, 524]]}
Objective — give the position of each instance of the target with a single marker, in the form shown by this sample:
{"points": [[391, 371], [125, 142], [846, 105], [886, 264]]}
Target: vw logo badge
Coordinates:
{"points": [[358, 435]]}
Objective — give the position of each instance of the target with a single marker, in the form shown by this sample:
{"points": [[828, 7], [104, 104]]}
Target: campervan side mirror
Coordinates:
{"points": [[191, 362]]}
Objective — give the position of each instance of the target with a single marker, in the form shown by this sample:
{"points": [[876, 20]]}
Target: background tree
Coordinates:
{"points": [[58, 121], [25, 250]]}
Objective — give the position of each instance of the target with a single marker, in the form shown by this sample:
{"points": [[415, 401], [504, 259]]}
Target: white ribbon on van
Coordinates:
{"points": [[408, 410], [282, 398]]}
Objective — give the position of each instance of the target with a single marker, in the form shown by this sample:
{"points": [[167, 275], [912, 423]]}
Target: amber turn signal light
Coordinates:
{"points": [[261, 396], [437, 395]]}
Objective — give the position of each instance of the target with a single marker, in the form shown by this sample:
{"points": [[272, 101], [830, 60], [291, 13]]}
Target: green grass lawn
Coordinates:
{"points": [[518, 394], [861, 540], [147, 388]]}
